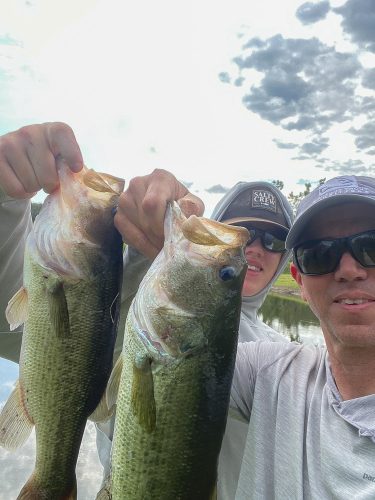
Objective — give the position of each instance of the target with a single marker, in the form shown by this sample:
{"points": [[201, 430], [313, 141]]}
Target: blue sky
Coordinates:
{"points": [[215, 91]]}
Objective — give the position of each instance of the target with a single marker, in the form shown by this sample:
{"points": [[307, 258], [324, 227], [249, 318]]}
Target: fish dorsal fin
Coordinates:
{"points": [[114, 383], [103, 183], [142, 397], [15, 423], [58, 308], [101, 413], [17, 310]]}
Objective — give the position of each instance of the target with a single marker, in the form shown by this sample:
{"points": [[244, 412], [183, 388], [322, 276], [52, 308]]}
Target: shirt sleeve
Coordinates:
{"points": [[252, 358], [15, 225]]}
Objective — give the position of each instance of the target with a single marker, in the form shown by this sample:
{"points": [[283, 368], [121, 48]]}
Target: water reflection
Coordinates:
{"points": [[16, 467], [292, 317]]}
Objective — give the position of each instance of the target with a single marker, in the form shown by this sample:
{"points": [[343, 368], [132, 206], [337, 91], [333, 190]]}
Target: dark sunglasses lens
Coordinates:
{"points": [[269, 241], [363, 247], [319, 257]]}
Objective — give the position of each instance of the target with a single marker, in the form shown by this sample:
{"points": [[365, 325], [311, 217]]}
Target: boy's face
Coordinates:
{"points": [[262, 265]]}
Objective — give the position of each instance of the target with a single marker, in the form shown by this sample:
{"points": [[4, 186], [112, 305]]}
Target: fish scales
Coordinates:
{"points": [[69, 304], [178, 360]]}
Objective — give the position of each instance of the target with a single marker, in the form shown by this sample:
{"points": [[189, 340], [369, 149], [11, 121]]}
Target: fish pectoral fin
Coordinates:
{"points": [[58, 309], [17, 310], [142, 396], [15, 424], [114, 383]]}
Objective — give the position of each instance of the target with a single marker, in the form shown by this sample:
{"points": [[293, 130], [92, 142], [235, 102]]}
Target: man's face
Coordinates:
{"points": [[262, 265], [331, 296]]}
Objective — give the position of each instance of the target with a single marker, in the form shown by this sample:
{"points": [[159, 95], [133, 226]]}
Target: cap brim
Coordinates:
{"points": [[295, 234], [244, 220]]}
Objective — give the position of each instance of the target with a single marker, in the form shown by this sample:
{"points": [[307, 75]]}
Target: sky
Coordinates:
{"points": [[215, 91]]}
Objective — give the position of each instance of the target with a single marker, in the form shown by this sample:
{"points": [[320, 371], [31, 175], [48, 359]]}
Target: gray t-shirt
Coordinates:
{"points": [[303, 441]]}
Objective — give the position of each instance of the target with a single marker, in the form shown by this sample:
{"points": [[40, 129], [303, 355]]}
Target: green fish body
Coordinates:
{"points": [[69, 305]]}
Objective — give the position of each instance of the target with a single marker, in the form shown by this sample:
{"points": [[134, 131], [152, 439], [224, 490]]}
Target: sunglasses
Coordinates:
{"points": [[318, 257], [269, 241]]}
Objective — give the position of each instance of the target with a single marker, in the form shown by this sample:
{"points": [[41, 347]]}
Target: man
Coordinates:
{"points": [[27, 164]]}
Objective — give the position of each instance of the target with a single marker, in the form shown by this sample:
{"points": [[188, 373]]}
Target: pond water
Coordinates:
{"points": [[285, 314], [293, 318]]}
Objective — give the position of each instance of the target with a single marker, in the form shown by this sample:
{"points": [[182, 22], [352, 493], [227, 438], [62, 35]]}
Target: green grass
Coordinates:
{"points": [[286, 280]]}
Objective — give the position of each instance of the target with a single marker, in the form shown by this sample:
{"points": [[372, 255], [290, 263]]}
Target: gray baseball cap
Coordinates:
{"points": [[336, 191]]}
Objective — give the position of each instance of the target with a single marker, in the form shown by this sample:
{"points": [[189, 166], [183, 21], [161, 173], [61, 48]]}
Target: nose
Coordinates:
{"points": [[349, 269], [255, 247]]}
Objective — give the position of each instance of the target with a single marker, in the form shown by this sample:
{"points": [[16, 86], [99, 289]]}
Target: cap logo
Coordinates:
{"points": [[341, 185], [264, 199]]}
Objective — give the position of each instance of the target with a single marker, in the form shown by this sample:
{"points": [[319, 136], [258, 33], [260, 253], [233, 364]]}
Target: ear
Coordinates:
{"points": [[295, 273], [297, 277]]}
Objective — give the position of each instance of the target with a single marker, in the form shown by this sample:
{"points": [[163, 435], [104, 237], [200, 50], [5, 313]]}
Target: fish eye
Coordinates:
{"points": [[227, 273]]}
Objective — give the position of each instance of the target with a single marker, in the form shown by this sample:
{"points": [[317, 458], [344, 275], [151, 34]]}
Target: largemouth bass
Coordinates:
{"points": [[69, 304], [177, 364]]}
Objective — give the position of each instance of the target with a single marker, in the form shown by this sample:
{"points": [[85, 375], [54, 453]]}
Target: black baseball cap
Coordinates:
{"points": [[256, 204]]}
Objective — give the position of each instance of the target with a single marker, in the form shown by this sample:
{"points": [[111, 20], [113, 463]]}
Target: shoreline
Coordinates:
{"points": [[286, 291]]}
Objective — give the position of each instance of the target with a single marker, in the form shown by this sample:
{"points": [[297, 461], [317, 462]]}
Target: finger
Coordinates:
{"points": [[161, 188], [191, 205], [135, 237], [62, 142], [10, 183], [44, 166], [133, 223]]}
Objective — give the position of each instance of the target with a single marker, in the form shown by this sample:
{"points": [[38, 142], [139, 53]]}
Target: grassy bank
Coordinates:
{"points": [[286, 280], [285, 285]]}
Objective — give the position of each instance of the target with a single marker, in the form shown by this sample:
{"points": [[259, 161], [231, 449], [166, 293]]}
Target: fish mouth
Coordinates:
{"points": [[79, 212]]}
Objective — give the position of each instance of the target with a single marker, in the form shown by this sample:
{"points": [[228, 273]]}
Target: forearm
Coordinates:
{"points": [[15, 225]]}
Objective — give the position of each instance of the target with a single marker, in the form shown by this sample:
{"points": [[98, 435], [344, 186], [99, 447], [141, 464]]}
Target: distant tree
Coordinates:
{"points": [[278, 183], [295, 199], [35, 209]]}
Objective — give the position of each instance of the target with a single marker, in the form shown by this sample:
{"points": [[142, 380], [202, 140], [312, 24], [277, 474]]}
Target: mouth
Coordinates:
{"points": [[252, 267], [351, 302]]}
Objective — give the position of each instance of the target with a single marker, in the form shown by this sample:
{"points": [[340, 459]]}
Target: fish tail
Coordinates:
{"points": [[32, 490]]}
